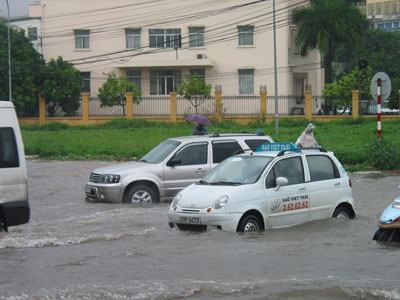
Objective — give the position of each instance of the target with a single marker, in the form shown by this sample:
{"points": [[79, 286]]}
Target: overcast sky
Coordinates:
{"points": [[17, 7]]}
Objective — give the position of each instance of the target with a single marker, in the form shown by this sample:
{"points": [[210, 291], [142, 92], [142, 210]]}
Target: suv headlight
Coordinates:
{"points": [[109, 178], [175, 201], [220, 202]]}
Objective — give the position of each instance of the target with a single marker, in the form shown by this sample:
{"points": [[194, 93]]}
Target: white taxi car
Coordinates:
{"points": [[266, 189]]}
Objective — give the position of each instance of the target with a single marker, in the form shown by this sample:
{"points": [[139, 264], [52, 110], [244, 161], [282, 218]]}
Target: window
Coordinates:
{"points": [[133, 38], [196, 37], [8, 149], [201, 73], [135, 76], [192, 155], [165, 38], [322, 168], [223, 150], [290, 168], [85, 82], [32, 34], [246, 82], [253, 144], [246, 35], [163, 82], [82, 39]]}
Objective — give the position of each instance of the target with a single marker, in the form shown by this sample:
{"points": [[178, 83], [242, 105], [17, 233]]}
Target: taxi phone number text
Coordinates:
{"points": [[294, 206]]}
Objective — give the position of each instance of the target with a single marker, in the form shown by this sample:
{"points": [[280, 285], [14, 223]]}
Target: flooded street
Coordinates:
{"points": [[72, 249]]}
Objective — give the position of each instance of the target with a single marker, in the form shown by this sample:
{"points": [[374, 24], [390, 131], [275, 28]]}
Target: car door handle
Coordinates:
{"points": [[200, 171], [337, 184], [302, 189]]}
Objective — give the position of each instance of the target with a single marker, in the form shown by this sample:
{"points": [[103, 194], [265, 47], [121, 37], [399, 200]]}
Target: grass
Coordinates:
{"points": [[351, 141]]}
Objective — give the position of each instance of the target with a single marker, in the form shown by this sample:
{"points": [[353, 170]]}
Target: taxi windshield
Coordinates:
{"points": [[160, 152], [237, 170]]}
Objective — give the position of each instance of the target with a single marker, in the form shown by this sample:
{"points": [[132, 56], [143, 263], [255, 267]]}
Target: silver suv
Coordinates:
{"points": [[167, 169]]}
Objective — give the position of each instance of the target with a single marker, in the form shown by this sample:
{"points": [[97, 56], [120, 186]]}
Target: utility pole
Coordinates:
{"points": [[9, 53], [275, 73]]}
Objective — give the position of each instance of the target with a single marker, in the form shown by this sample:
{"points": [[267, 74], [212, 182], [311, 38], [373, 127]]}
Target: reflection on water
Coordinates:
{"points": [[73, 249]]}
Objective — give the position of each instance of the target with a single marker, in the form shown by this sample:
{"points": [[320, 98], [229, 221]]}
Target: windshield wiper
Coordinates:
{"points": [[225, 183], [143, 160], [202, 182]]}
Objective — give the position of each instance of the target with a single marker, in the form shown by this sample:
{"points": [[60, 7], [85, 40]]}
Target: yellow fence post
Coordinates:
{"points": [[355, 103], [85, 108], [42, 110], [218, 103], [308, 103], [173, 112], [129, 105], [263, 99]]}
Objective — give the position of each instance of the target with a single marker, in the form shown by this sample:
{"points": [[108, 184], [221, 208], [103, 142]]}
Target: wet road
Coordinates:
{"points": [[72, 249]]}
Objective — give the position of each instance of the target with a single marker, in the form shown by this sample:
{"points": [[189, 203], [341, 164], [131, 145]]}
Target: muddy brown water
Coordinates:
{"points": [[72, 249]]}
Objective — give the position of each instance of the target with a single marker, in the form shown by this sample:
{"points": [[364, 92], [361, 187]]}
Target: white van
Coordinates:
{"points": [[14, 207]]}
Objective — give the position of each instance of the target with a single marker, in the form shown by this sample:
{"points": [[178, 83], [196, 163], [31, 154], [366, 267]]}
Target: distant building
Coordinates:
{"points": [[158, 44], [32, 26], [384, 14]]}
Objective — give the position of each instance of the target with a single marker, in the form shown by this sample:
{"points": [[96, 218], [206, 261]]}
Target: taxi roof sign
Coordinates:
{"points": [[277, 147]]}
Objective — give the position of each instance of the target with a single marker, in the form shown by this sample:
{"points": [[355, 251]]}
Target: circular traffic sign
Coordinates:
{"points": [[386, 86]]}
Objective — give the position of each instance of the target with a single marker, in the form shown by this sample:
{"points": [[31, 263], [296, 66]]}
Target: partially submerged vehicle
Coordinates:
{"points": [[389, 223]]}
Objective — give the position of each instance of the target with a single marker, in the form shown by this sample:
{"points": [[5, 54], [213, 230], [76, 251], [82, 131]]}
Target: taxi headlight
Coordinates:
{"points": [[220, 202], [110, 178], [176, 200]]}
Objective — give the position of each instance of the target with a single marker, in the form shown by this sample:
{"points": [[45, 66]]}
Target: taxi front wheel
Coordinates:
{"points": [[249, 223]]}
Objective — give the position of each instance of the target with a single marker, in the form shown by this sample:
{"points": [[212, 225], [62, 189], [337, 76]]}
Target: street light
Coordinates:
{"points": [[275, 73], [9, 53]]}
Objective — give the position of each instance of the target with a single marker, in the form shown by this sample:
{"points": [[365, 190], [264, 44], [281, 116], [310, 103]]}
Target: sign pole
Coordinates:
{"points": [[379, 115]]}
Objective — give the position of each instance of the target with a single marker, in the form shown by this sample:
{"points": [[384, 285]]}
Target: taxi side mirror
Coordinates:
{"points": [[280, 182]]}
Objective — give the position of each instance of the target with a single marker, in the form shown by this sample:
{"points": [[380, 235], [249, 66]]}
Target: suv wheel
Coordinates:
{"points": [[342, 212], [249, 223], [140, 194]]}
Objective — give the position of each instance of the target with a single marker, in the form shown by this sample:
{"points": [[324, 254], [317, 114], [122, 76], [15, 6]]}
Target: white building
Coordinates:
{"points": [[158, 43], [32, 25], [384, 14]]}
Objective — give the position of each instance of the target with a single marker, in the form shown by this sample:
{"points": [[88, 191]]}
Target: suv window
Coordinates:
{"points": [[195, 154], [253, 144], [223, 150], [8, 149], [290, 168], [321, 168]]}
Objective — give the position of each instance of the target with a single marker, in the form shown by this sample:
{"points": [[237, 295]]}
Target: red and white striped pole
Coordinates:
{"points": [[379, 115]]}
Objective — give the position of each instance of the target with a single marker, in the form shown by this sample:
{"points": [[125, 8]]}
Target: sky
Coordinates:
{"points": [[17, 7]]}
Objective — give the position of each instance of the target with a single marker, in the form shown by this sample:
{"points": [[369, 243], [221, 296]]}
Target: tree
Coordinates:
{"points": [[113, 91], [26, 67], [61, 87], [327, 24], [380, 50], [195, 90]]}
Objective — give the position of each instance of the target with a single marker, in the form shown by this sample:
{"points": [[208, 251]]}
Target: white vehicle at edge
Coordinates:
{"points": [[269, 189]]}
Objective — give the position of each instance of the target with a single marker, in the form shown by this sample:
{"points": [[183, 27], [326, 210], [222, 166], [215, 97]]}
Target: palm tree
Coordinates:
{"points": [[327, 24]]}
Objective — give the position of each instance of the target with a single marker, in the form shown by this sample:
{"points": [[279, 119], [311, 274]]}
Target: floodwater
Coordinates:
{"points": [[72, 249]]}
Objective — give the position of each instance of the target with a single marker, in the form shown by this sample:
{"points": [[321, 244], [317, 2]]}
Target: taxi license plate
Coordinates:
{"points": [[190, 220]]}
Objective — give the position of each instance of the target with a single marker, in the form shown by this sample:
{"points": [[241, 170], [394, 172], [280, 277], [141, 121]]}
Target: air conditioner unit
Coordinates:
{"points": [[201, 56]]}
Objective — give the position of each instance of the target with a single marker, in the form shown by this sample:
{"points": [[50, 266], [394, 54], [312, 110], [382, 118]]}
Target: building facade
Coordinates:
{"points": [[384, 14], [32, 26], [157, 44]]}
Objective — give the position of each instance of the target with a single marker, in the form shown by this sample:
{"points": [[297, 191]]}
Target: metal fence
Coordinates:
{"points": [[331, 105], [288, 105], [370, 107], [64, 112], [153, 106], [97, 110], [241, 105], [203, 106]]}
